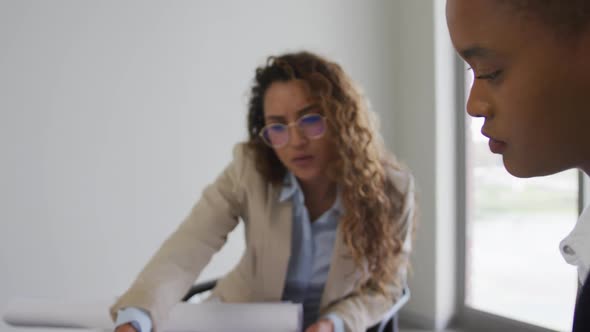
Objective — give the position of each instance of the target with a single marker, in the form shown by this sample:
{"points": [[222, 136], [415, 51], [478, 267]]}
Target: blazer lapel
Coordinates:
{"points": [[277, 248], [343, 272]]}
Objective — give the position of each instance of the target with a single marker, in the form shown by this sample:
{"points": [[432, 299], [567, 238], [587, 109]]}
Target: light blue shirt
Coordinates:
{"points": [[311, 253]]}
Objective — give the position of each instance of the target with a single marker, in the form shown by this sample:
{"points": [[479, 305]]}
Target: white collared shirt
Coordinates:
{"points": [[575, 248]]}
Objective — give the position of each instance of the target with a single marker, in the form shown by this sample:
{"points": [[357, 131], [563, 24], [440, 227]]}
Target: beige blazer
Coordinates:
{"points": [[240, 192]]}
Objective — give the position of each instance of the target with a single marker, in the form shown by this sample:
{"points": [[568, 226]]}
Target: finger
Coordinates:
{"points": [[125, 328]]}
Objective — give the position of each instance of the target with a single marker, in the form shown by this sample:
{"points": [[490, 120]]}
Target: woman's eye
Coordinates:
{"points": [[310, 119], [277, 128], [491, 76]]}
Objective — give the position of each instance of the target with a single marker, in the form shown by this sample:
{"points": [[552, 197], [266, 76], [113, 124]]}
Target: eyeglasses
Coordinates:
{"points": [[276, 135]]}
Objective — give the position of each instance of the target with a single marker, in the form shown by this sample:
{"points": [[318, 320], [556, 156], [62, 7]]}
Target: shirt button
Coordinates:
{"points": [[568, 250]]}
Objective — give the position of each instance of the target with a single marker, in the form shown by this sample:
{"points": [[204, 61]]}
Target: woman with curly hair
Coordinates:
{"points": [[328, 213]]}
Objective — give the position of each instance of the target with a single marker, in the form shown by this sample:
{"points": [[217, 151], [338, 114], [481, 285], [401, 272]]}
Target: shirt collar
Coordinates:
{"points": [[338, 203], [291, 188], [575, 248]]}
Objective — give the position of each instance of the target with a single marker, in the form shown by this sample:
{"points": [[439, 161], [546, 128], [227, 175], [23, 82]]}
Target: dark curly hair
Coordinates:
{"points": [[372, 225]]}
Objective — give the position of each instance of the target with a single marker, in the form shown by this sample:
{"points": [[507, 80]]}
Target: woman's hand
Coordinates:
{"points": [[125, 328], [322, 325]]}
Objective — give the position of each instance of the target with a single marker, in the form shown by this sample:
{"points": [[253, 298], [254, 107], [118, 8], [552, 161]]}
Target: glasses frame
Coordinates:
{"points": [[298, 127]]}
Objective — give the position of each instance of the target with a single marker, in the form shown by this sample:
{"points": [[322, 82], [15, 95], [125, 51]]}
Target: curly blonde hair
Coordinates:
{"points": [[372, 224]]}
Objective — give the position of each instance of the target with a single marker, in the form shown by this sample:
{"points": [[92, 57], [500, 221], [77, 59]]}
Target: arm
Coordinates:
{"points": [[176, 265]]}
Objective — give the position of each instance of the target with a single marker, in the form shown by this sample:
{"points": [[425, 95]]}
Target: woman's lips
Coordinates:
{"points": [[497, 146], [303, 161]]}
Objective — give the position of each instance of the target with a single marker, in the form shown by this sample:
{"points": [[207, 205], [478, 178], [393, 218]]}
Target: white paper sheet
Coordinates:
{"points": [[184, 317]]}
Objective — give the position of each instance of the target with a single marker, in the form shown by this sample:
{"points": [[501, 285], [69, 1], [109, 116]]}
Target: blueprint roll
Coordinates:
{"points": [[226, 317], [184, 317]]}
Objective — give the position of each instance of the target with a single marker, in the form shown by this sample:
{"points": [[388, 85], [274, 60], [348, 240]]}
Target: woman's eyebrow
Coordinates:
{"points": [[274, 118], [300, 112], [307, 109], [476, 52]]}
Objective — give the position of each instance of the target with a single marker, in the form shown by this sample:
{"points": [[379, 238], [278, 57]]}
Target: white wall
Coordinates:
{"points": [[424, 135], [414, 143], [115, 114]]}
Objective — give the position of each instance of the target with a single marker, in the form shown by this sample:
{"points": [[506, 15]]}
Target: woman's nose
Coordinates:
{"points": [[477, 104], [296, 136]]}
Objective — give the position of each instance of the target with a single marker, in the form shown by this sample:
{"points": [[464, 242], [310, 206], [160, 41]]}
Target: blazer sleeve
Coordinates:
{"points": [[175, 266], [360, 311]]}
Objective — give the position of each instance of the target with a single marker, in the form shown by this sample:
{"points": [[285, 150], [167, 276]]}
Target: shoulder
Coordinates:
{"points": [[243, 158], [400, 189], [242, 153], [244, 164], [400, 177]]}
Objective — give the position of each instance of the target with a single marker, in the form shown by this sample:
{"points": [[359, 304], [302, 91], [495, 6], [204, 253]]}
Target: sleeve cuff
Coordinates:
{"points": [[337, 321], [139, 318]]}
